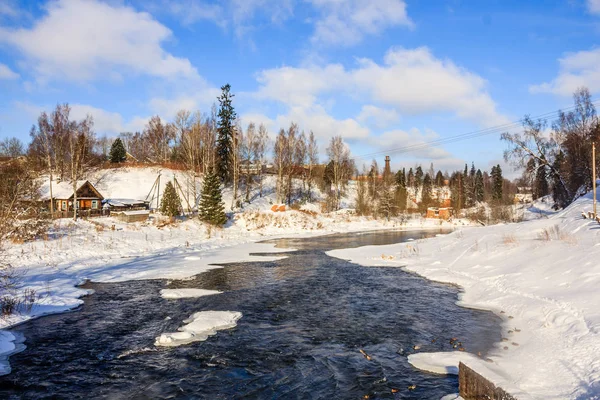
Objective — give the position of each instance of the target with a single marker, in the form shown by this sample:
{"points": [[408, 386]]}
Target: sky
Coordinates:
{"points": [[383, 74]]}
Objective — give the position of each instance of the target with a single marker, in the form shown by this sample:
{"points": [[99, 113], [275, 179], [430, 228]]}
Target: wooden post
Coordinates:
{"points": [[594, 176]]}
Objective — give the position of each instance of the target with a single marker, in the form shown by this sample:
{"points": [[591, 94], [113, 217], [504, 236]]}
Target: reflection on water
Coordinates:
{"points": [[305, 319]]}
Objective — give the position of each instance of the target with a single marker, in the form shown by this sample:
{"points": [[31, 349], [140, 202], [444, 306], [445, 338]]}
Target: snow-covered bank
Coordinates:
{"points": [[199, 327], [540, 276]]}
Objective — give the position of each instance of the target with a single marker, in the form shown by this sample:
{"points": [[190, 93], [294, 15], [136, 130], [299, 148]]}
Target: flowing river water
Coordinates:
{"points": [[305, 320]]}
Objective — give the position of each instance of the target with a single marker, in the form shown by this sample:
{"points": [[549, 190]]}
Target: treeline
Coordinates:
{"points": [[557, 159], [383, 193]]}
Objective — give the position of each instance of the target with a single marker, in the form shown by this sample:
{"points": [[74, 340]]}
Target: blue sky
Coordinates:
{"points": [[384, 74]]}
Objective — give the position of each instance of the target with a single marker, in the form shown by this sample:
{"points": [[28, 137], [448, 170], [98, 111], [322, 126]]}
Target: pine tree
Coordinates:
{"points": [[541, 182], [439, 179], [418, 178], [497, 182], [170, 204], [211, 208], [225, 135], [426, 193], [117, 152], [401, 193], [479, 192]]}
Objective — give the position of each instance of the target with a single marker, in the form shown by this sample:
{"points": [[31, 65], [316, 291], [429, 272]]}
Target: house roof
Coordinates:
{"points": [[62, 190]]}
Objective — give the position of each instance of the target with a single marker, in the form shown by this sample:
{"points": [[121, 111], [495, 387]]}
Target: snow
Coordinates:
{"points": [[186, 293], [134, 212], [540, 276], [199, 327], [60, 190]]}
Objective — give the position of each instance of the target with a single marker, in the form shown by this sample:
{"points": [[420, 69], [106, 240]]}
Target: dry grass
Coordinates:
{"points": [[509, 240], [555, 233]]}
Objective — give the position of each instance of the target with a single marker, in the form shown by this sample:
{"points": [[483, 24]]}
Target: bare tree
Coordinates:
{"points": [[159, 137], [80, 135], [533, 144], [11, 147], [339, 156], [312, 155], [280, 159], [300, 155], [261, 148]]}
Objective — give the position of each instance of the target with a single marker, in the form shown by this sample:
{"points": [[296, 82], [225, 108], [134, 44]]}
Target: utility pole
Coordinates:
{"points": [[594, 176]]}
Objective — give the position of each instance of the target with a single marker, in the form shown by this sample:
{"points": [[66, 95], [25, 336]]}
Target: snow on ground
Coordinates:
{"points": [[199, 327], [542, 277], [186, 293]]}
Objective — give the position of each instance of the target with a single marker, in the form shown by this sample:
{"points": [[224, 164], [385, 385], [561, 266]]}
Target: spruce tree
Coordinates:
{"points": [[170, 204], [401, 193], [426, 193], [479, 186], [117, 152], [541, 182], [439, 179], [225, 134], [418, 178], [497, 182], [211, 208]]}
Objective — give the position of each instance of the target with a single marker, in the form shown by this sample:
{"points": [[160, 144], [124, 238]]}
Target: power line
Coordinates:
{"points": [[465, 136]]}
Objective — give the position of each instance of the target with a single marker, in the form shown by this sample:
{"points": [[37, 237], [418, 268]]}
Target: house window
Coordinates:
{"points": [[64, 205], [94, 204]]}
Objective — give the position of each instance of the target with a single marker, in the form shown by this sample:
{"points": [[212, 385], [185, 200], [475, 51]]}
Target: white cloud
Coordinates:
{"points": [[7, 73], [347, 22], [412, 82], [378, 117], [82, 39], [236, 14], [575, 70], [593, 6], [105, 122], [299, 86], [168, 107]]}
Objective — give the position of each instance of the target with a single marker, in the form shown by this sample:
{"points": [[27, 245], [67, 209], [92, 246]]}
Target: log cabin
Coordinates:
{"points": [[88, 197]]}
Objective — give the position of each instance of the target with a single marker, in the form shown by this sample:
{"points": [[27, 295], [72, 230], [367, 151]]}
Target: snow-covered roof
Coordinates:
{"points": [[123, 202], [135, 212], [60, 190]]}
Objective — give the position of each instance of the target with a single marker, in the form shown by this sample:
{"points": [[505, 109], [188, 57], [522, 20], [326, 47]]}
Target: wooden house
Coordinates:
{"points": [[132, 215], [88, 197], [440, 212]]}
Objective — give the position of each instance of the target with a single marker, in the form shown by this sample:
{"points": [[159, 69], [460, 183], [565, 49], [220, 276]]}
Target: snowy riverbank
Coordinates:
{"points": [[540, 276]]}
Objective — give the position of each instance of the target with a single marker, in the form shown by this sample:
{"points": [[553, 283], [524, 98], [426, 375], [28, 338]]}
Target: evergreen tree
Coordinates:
{"points": [[117, 152], [426, 193], [410, 178], [479, 186], [225, 135], [559, 193], [170, 204], [211, 208], [401, 193], [439, 179], [418, 178], [497, 183], [541, 182]]}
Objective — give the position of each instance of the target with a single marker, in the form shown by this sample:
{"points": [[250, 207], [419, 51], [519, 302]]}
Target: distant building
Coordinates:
{"points": [[440, 212]]}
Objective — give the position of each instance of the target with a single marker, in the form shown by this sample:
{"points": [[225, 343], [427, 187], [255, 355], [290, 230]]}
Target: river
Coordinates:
{"points": [[305, 320]]}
